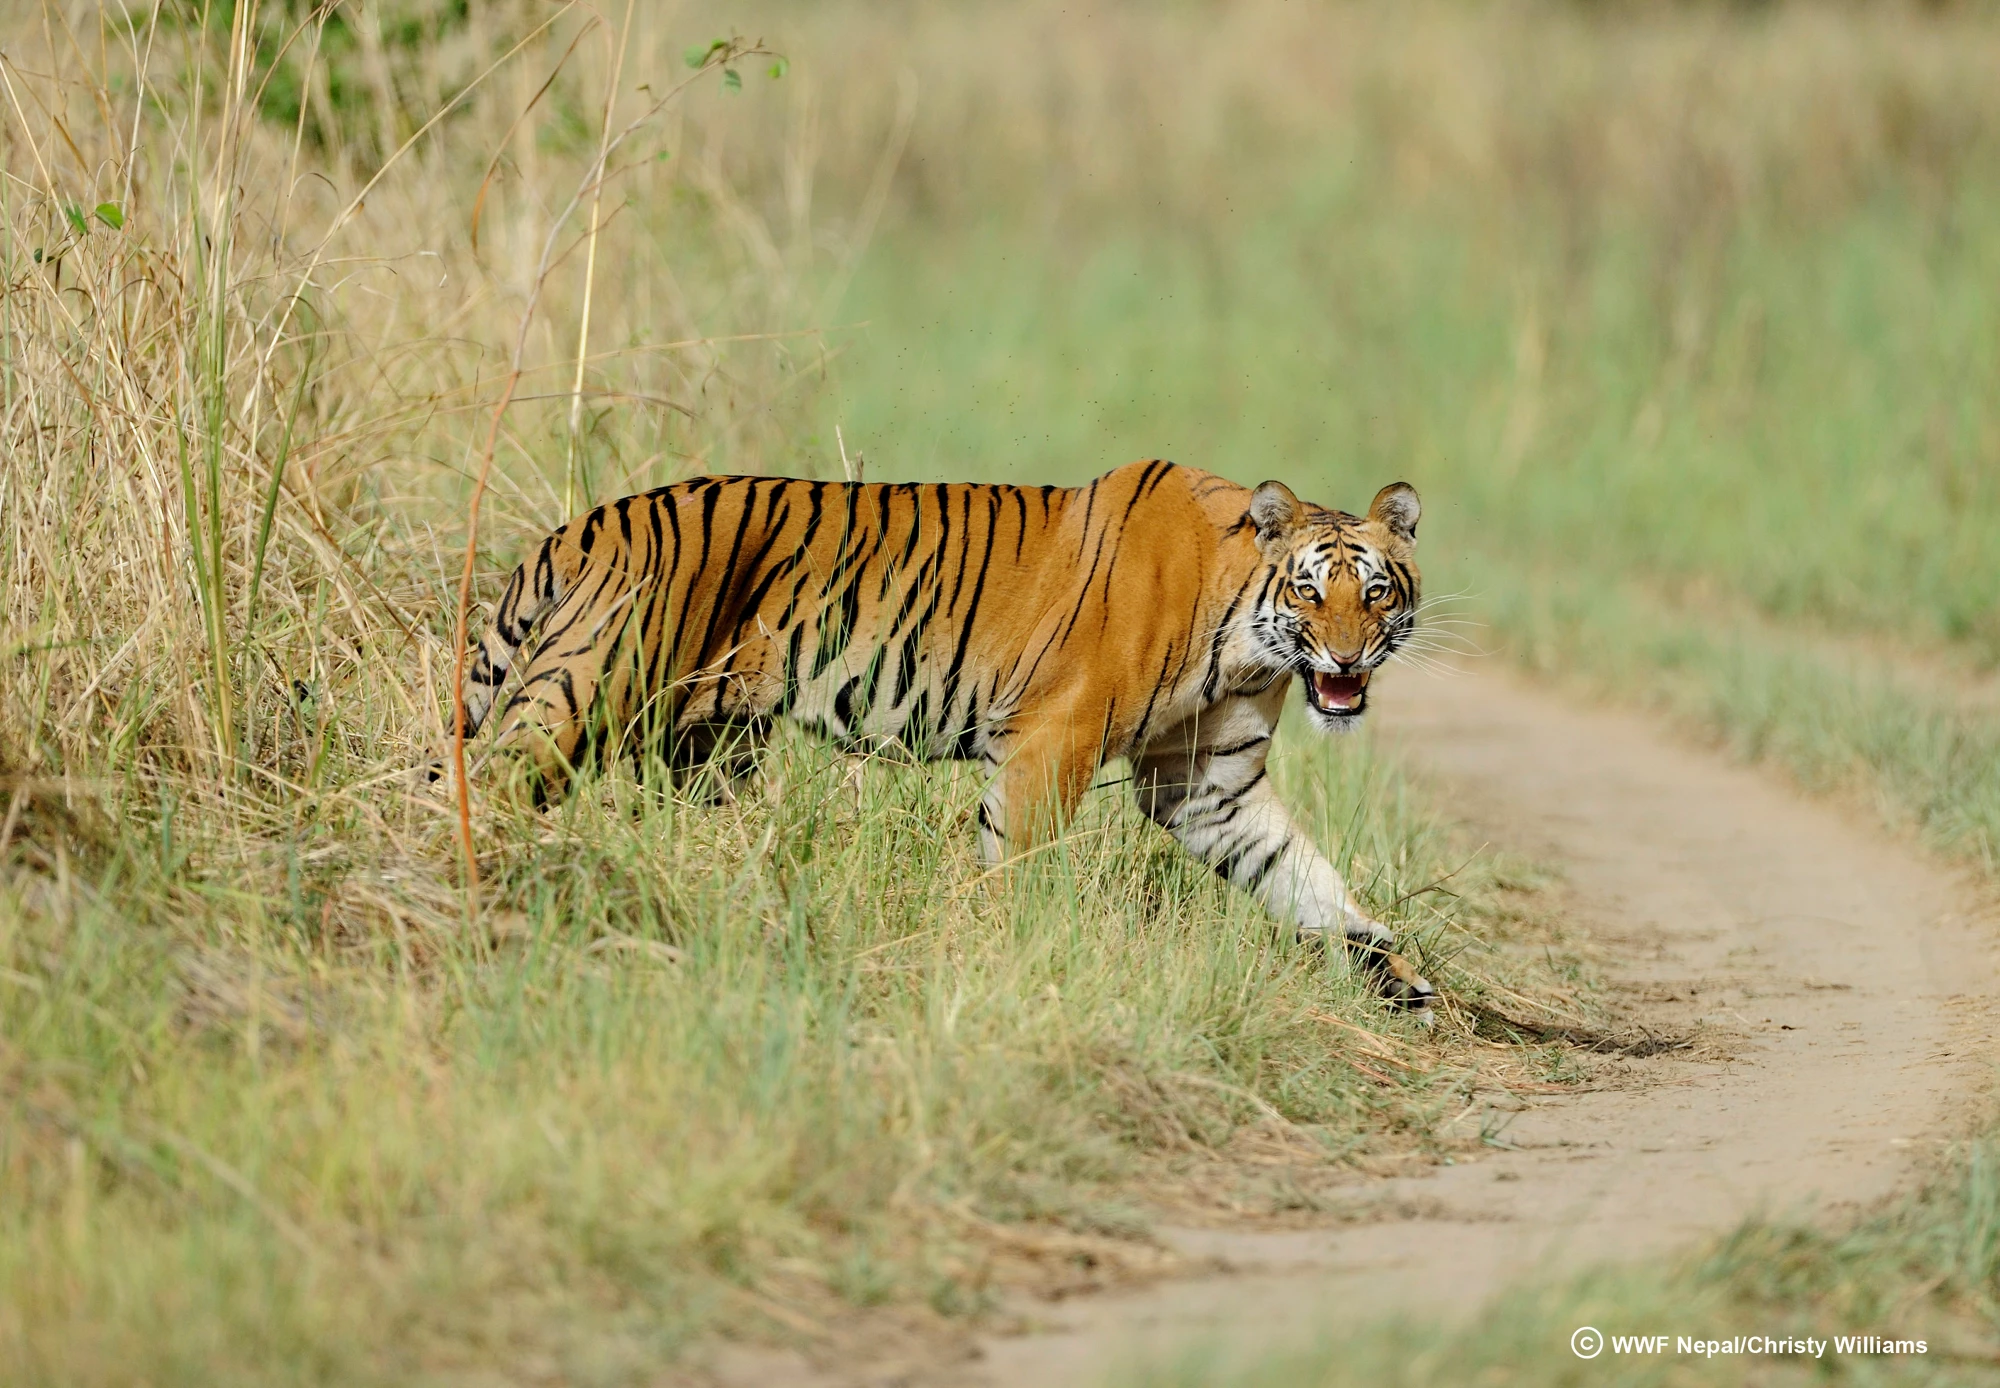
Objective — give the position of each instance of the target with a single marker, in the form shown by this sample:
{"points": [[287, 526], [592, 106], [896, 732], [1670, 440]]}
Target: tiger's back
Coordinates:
{"points": [[927, 615]]}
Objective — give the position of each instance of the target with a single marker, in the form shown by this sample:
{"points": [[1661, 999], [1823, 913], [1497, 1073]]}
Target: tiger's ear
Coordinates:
{"points": [[1276, 513], [1396, 507]]}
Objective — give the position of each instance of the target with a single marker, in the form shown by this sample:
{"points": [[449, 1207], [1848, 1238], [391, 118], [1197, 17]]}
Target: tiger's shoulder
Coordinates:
{"points": [[1154, 489]]}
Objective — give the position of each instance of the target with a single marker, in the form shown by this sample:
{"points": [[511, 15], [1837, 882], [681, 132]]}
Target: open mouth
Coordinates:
{"points": [[1337, 694]]}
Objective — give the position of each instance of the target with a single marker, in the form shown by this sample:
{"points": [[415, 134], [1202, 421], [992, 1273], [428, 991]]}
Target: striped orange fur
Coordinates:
{"points": [[1157, 614]]}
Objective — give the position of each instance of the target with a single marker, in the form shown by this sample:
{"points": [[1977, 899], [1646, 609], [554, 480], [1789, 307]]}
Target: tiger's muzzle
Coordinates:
{"points": [[1337, 696]]}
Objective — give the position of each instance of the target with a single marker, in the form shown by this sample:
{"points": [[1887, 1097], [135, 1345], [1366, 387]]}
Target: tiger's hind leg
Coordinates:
{"points": [[545, 734], [573, 703], [713, 763]]}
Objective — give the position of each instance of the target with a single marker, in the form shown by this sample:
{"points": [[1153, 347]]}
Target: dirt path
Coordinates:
{"points": [[1851, 998]]}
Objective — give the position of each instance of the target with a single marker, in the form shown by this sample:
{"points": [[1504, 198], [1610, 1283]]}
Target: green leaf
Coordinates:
{"points": [[699, 56], [76, 219], [732, 80], [780, 68], [111, 215]]}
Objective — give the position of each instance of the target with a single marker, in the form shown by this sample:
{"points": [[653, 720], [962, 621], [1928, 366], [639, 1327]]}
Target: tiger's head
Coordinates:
{"points": [[1340, 595]]}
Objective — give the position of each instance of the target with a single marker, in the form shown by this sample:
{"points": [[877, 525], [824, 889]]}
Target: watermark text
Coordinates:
{"points": [[1587, 1342]]}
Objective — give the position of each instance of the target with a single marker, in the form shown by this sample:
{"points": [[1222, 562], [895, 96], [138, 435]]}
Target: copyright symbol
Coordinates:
{"points": [[1586, 1343]]}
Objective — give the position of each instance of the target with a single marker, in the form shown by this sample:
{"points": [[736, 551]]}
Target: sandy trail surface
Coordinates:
{"points": [[1843, 979]]}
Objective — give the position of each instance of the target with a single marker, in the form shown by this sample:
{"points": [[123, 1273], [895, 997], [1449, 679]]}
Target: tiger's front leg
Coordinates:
{"points": [[1038, 779], [1215, 798]]}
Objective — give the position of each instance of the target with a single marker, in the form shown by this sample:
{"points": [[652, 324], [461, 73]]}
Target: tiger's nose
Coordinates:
{"points": [[1345, 657]]}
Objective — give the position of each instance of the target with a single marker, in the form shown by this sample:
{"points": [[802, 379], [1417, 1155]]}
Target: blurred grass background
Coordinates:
{"points": [[1682, 320], [1681, 317]]}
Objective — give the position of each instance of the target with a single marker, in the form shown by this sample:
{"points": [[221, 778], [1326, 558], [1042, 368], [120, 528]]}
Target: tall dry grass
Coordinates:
{"points": [[248, 387]]}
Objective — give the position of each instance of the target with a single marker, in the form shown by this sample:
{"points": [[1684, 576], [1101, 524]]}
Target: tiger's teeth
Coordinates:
{"points": [[1338, 691]]}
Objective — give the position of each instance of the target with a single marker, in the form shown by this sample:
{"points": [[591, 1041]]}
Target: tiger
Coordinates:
{"points": [[1157, 615]]}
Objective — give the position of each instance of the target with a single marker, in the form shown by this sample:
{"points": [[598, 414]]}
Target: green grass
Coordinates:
{"points": [[290, 1113]]}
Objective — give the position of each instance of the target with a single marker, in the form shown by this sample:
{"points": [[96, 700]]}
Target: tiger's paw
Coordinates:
{"points": [[1394, 978], [1397, 981]]}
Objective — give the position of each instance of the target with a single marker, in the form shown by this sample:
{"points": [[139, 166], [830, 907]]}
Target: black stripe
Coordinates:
{"points": [[1159, 683], [693, 588], [772, 577], [843, 702], [835, 633], [659, 662], [890, 572], [964, 553], [916, 724], [658, 539], [1257, 874], [1089, 505], [873, 677], [727, 580], [966, 745], [924, 617], [842, 554], [507, 613], [972, 605], [1237, 795], [1138, 492], [815, 512], [1215, 646], [1083, 594], [906, 668], [788, 685]]}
